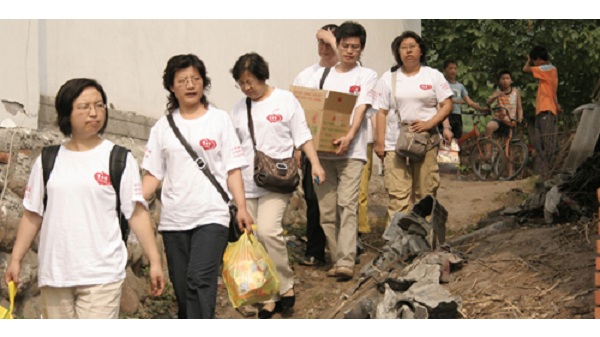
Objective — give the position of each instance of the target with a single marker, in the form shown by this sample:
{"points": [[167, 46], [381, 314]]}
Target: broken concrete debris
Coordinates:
{"points": [[404, 280]]}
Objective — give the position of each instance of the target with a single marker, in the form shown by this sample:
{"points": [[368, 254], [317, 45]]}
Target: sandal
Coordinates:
{"points": [[287, 302], [266, 314]]}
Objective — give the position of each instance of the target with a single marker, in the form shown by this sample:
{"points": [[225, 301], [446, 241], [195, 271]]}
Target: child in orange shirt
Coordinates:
{"points": [[546, 108]]}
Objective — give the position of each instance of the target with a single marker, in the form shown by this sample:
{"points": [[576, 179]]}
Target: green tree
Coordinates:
{"points": [[483, 47]]}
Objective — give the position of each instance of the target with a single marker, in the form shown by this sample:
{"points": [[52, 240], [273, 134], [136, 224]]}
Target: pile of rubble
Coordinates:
{"points": [[565, 197], [405, 279]]}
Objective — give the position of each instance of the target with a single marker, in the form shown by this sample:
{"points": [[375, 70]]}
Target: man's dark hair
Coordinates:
{"points": [[538, 52], [252, 63], [351, 29], [67, 94], [449, 62], [179, 62], [503, 72]]}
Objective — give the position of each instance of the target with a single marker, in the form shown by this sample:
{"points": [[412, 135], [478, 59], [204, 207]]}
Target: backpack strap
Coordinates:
{"points": [[49, 154], [117, 163], [325, 73]]}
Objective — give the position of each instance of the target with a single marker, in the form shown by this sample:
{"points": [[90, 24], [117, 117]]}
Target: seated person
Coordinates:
{"points": [[508, 110]]}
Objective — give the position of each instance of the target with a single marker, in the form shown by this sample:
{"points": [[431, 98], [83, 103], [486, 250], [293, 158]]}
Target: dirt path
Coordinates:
{"points": [[528, 272]]}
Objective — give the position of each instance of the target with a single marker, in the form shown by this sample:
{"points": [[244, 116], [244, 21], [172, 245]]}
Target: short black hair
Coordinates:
{"points": [[398, 41], [538, 52], [67, 94], [351, 29], [503, 72], [252, 63], [449, 62], [177, 63]]}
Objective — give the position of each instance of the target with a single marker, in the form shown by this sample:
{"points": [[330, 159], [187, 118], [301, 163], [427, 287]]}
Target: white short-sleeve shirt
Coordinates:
{"points": [[279, 127], [80, 236], [417, 97], [188, 197]]}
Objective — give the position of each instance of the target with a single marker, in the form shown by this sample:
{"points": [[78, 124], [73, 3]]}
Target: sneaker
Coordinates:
{"points": [[311, 261], [344, 272], [332, 272]]}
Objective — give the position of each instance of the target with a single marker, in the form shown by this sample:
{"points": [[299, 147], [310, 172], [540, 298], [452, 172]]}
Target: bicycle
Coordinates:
{"points": [[485, 154], [516, 153]]}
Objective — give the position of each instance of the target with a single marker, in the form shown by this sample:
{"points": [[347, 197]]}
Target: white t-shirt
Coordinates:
{"points": [[359, 81], [188, 198], [304, 78], [279, 126], [80, 237], [417, 97]]}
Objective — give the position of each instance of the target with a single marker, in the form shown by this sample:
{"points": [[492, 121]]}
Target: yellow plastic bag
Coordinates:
{"points": [[12, 292], [248, 272]]}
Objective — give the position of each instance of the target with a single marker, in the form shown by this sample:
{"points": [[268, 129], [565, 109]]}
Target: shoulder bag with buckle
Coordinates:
{"points": [[411, 145], [234, 230], [275, 175]]}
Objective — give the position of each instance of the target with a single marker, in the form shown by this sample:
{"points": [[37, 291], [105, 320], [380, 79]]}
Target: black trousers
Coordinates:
{"points": [[315, 237], [194, 259]]}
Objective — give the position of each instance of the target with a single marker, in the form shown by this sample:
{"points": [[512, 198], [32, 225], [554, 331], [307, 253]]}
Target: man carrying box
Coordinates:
{"points": [[346, 164], [315, 237]]}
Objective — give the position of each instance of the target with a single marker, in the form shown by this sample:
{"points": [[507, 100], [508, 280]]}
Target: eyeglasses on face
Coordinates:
{"points": [[408, 47], [242, 84], [181, 82], [87, 107]]}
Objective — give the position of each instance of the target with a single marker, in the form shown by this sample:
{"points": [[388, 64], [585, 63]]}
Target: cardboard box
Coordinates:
{"points": [[327, 114]]}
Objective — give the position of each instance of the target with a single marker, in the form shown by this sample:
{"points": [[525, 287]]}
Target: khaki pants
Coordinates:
{"points": [[267, 212], [363, 194], [339, 195], [88, 302], [408, 183]]}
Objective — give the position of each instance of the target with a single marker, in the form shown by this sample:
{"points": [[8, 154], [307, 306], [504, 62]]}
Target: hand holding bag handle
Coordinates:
{"points": [[234, 230]]}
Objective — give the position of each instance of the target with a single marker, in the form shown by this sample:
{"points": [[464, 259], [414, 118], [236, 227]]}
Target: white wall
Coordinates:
{"points": [[128, 56], [19, 71]]}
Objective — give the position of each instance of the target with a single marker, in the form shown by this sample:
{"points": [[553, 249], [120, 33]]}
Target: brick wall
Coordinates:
{"points": [[121, 123]]}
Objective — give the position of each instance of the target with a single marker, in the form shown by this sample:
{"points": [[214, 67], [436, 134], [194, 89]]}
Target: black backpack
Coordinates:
{"points": [[118, 160]]}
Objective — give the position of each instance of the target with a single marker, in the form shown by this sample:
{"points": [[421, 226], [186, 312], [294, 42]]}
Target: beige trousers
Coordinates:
{"points": [[338, 197], [88, 302], [267, 212], [407, 183]]}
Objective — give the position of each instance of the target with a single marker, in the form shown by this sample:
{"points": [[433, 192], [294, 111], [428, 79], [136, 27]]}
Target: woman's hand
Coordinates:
{"points": [[157, 279], [12, 272], [244, 220], [318, 172], [420, 126], [379, 148], [448, 135]]}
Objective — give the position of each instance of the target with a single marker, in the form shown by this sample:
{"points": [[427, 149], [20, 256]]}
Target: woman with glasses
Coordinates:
{"points": [[81, 253], [422, 99], [194, 218], [279, 127]]}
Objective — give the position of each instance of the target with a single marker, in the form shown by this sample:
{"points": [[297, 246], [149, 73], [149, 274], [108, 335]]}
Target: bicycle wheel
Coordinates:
{"points": [[484, 159], [511, 166]]}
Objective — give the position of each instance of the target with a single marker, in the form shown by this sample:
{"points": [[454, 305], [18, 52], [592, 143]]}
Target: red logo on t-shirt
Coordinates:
{"points": [[355, 89], [425, 86], [274, 118], [208, 144], [102, 178]]}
